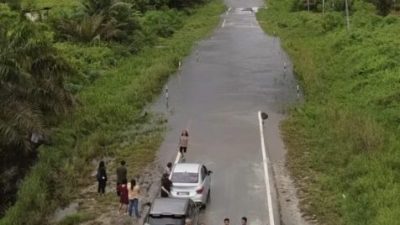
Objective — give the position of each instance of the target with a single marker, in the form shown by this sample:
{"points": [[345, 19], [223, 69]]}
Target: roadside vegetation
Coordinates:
{"points": [[344, 140], [74, 84]]}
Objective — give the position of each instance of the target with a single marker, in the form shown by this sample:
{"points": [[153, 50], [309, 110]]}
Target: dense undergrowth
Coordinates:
{"points": [[112, 83], [343, 142]]}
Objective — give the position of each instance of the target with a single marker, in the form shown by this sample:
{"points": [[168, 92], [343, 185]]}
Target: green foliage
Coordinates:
{"points": [[343, 142], [106, 20], [383, 6], [7, 17], [55, 6], [32, 94], [110, 106], [163, 23], [13, 4]]}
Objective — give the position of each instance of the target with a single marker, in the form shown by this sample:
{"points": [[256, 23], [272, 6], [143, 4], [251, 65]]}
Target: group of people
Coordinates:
{"points": [[166, 183], [128, 192], [227, 221]]}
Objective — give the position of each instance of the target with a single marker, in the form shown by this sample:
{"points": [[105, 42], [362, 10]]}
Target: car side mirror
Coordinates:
{"points": [[209, 172]]}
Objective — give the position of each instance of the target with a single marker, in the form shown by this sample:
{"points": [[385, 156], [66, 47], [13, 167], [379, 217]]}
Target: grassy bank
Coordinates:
{"points": [[105, 123], [343, 142]]}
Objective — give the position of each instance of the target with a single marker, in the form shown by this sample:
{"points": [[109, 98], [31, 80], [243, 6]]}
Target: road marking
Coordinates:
{"points": [[223, 23], [266, 173], [229, 9], [178, 158]]}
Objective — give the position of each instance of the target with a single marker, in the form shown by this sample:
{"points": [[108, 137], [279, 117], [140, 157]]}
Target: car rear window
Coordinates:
{"points": [[185, 177]]}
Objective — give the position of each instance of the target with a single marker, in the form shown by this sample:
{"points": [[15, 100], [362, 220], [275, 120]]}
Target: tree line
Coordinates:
{"points": [[384, 7], [34, 74]]}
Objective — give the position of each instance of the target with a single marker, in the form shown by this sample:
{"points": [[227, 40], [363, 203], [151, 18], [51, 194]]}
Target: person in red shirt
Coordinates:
{"points": [[123, 197]]}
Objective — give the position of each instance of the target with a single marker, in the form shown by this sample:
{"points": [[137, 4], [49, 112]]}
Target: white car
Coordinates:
{"points": [[191, 180]]}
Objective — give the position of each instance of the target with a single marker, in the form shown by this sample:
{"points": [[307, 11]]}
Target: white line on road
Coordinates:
{"points": [[223, 23], [266, 173], [229, 9], [178, 158]]}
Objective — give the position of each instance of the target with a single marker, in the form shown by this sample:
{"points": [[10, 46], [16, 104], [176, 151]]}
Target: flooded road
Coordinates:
{"points": [[216, 95]]}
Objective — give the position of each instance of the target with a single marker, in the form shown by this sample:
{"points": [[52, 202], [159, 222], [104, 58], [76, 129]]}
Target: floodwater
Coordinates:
{"points": [[216, 95]]}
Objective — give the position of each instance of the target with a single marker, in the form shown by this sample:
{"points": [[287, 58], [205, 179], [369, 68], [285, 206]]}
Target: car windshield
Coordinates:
{"points": [[185, 177], [166, 220]]}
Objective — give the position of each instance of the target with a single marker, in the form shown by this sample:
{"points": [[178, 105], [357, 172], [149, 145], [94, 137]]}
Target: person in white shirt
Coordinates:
{"points": [[133, 195]]}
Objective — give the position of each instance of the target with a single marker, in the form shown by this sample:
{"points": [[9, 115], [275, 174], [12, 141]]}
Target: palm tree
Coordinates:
{"points": [[107, 20], [32, 92], [32, 85]]}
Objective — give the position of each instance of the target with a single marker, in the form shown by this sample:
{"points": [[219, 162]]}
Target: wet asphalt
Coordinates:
{"points": [[216, 95]]}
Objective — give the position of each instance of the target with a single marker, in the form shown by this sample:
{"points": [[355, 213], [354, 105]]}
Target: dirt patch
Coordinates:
{"points": [[288, 201]]}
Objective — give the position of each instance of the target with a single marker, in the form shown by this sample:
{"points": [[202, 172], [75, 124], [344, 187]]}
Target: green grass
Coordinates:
{"points": [[343, 142], [52, 3], [108, 122]]}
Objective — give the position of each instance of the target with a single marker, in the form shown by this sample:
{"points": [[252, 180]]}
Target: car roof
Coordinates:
{"points": [[169, 206], [186, 167]]}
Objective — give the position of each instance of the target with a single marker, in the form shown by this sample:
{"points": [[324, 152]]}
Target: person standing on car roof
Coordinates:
{"points": [[166, 185], [183, 141]]}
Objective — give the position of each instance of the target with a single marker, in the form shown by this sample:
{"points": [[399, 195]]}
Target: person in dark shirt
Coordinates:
{"points": [[121, 174], [101, 178], [166, 185], [168, 168]]}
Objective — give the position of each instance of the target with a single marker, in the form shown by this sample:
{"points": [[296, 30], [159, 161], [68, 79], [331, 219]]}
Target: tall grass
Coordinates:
{"points": [[109, 107], [343, 142], [52, 3]]}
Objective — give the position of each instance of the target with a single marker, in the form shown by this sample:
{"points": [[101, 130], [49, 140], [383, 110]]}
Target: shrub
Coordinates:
{"points": [[163, 23], [343, 142]]}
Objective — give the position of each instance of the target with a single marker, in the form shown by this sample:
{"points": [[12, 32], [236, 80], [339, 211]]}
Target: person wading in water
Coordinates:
{"points": [[183, 142]]}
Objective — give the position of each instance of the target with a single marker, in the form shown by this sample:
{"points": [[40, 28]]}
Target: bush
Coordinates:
{"points": [[97, 128], [163, 23], [343, 142]]}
